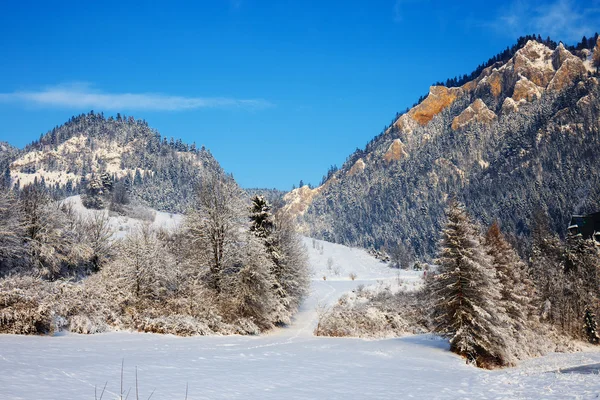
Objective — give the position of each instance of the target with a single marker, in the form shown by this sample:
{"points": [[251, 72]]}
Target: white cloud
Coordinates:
{"points": [[400, 8], [398, 11], [560, 19], [83, 96]]}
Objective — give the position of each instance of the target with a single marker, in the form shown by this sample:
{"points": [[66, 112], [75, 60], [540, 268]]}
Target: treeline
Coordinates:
{"points": [[228, 268], [96, 125]]}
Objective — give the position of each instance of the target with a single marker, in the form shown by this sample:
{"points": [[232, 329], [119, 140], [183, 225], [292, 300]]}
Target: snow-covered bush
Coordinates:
{"points": [[374, 313]]}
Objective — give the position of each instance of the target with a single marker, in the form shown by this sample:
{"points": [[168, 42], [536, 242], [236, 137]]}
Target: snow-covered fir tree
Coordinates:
{"points": [[260, 217], [288, 269], [262, 226], [516, 289], [466, 294]]}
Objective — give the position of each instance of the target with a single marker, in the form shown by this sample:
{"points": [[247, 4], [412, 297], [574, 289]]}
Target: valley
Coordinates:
{"points": [[456, 255], [285, 363]]}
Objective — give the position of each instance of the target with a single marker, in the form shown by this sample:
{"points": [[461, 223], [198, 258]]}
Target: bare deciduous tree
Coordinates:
{"points": [[214, 225], [11, 230]]}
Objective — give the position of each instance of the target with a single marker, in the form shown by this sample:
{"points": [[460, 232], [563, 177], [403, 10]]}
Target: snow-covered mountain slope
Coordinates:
{"points": [[289, 363], [518, 137]]}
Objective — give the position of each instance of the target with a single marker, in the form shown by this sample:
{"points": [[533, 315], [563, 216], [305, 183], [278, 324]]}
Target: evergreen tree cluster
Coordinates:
{"points": [[479, 292], [566, 273], [486, 300]]}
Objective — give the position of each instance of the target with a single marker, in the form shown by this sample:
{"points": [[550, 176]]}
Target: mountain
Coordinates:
{"points": [[522, 136], [160, 173]]}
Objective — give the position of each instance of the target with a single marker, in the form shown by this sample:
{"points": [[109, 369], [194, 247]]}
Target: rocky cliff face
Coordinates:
{"points": [[499, 129], [475, 113]]}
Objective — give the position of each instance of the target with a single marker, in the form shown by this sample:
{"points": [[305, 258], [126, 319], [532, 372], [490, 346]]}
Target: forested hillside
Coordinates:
{"points": [[519, 138], [161, 173]]}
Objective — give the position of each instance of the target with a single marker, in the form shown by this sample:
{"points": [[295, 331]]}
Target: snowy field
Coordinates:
{"points": [[289, 363]]}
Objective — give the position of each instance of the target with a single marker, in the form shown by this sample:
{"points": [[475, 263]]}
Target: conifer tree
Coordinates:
{"points": [[516, 289], [466, 294], [262, 226], [260, 217]]}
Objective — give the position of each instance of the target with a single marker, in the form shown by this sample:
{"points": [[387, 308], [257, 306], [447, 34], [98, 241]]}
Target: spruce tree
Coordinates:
{"points": [[260, 217], [466, 294], [262, 226], [516, 289]]}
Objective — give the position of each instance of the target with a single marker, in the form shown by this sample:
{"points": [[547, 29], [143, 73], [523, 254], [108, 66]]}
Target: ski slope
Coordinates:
{"points": [[289, 363]]}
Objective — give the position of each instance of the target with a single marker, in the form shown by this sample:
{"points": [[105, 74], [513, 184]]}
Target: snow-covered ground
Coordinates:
{"points": [[121, 226], [288, 363]]}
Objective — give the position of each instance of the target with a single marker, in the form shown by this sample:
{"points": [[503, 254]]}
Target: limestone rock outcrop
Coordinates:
{"points": [[476, 112]]}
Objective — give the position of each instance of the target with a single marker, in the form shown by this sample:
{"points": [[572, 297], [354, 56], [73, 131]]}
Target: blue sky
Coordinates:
{"points": [[277, 90]]}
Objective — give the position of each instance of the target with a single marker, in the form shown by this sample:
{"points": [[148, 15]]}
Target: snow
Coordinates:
{"points": [[287, 363], [122, 225], [348, 260], [588, 63], [544, 55]]}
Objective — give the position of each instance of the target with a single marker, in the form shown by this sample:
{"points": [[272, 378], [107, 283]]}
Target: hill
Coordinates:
{"points": [[161, 173]]}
